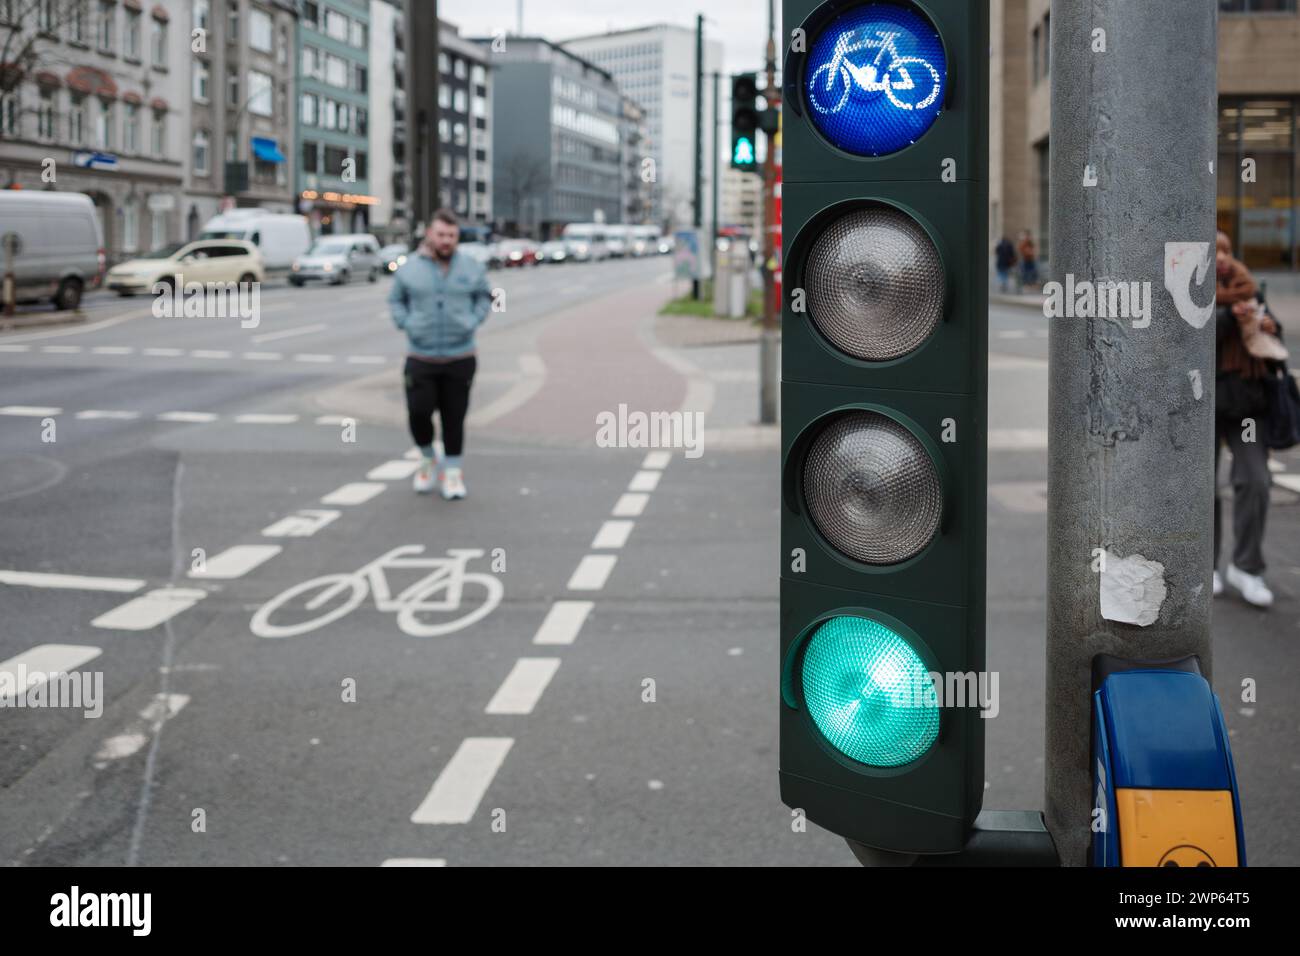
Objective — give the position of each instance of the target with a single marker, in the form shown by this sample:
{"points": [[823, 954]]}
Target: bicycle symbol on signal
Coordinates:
{"points": [[832, 82]]}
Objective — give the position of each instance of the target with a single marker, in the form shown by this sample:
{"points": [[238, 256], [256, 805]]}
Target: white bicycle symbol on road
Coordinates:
{"points": [[841, 74], [440, 592]]}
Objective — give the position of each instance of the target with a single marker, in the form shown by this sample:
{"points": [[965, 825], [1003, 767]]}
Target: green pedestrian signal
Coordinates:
{"points": [[884, 418], [744, 121]]}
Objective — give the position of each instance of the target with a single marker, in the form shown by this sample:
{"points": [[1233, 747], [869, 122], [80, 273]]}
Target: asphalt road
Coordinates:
{"points": [[612, 702]]}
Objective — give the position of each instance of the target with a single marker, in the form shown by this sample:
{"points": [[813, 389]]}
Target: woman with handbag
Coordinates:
{"points": [[1246, 343]]}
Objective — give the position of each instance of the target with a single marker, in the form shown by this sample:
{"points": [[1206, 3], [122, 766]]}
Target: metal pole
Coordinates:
{"points": [[713, 216], [698, 218], [769, 375], [1131, 397], [423, 77]]}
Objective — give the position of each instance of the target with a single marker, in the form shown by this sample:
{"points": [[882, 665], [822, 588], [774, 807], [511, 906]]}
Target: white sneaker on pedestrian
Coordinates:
{"points": [[453, 484], [1217, 585], [1252, 587], [423, 480]]}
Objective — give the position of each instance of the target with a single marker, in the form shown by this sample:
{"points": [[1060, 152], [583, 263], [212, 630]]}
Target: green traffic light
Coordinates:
{"points": [[869, 692]]}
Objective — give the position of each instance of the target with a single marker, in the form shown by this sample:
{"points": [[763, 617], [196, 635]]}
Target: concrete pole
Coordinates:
{"points": [[698, 201], [1131, 404]]}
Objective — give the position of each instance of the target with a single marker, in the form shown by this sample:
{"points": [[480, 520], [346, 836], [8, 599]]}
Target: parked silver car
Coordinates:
{"points": [[338, 259], [61, 249]]}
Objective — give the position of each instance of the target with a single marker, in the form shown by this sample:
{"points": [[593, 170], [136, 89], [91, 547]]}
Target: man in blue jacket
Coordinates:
{"points": [[439, 297]]}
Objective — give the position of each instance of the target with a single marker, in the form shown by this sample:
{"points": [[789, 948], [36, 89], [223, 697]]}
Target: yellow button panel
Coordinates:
{"points": [[1176, 827]]}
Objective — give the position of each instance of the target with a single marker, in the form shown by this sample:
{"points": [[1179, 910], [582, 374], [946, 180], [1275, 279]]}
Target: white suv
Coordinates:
{"points": [[338, 259]]}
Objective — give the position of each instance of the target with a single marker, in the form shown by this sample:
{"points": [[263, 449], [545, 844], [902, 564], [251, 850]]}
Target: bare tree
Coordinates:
{"points": [[26, 29], [525, 176]]}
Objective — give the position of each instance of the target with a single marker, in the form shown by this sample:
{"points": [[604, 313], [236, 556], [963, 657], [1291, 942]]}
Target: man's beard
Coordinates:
{"points": [[443, 256]]}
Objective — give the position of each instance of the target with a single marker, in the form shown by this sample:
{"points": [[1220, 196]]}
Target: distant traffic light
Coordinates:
{"points": [[884, 397], [744, 121]]}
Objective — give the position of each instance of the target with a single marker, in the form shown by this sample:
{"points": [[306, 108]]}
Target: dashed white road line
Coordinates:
{"points": [[112, 350], [354, 493], [61, 349], [613, 534], [159, 710], [367, 359], [263, 356], [592, 572], [210, 353], [15, 348], [414, 861], [393, 470], [563, 622], [78, 582], [657, 460], [162, 352], [236, 561], [1289, 482], [645, 481], [38, 663], [32, 411], [460, 787], [149, 609], [319, 357], [303, 523], [265, 418], [196, 417], [92, 414], [289, 333], [630, 505], [523, 686]]}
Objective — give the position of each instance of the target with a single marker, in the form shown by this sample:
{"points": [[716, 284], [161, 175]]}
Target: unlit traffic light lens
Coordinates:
{"points": [[875, 79], [869, 692], [875, 284], [872, 488]]}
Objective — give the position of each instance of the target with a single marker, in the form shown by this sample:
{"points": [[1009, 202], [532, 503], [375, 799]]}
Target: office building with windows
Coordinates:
{"points": [[333, 128], [240, 60], [557, 143], [655, 66], [1259, 126], [103, 109]]}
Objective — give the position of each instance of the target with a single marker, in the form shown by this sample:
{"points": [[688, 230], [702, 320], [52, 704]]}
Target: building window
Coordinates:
{"points": [[232, 22], [311, 14], [202, 146], [308, 108], [158, 42], [202, 80], [335, 156], [282, 48], [232, 147], [310, 156], [460, 68], [459, 135], [131, 37], [478, 75], [363, 166], [202, 15], [363, 121], [9, 113], [131, 129], [330, 115], [104, 25], [344, 118], [259, 94], [158, 133], [460, 102], [336, 71], [232, 86], [158, 229], [444, 63], [46, 19], [76, 14], [360, 81], [260, 31], [444, 96], [45, 116], [336, 25], [357, 34], [130, 225], [104, 126]]}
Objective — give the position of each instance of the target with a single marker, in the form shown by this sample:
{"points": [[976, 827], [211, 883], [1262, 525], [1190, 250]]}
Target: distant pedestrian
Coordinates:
{"points": [[1241, 400], [1028, 252], [439, 297], [1005, 260]]}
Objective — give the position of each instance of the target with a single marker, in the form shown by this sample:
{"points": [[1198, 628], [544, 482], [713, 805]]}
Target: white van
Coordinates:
{"points": [[62, 249], [585, 241], [280, 237]]}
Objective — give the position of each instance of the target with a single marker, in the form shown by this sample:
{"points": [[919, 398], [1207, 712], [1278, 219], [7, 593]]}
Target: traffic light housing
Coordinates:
{"points": [[884, 424], [744, 122]]}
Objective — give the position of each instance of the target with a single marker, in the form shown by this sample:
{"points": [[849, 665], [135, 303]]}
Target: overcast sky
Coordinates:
{"points": [[740, 25]]}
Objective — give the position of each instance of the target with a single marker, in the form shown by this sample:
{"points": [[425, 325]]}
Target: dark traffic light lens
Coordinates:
{"points": [[869, 692], [875, 284], [872, 489], [875, 79]]}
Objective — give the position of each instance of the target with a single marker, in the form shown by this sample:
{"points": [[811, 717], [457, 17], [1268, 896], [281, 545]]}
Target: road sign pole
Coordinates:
{"points": [[769, 372], [1131, 397]]}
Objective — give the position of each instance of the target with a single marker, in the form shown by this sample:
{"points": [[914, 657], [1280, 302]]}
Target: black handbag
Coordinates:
{"points": [[1282, 422]]}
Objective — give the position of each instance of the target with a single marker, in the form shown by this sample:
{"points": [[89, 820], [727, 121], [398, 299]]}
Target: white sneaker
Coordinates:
{"points": [[423, 480], [1217, 585], [1252, 587], [453, 484]]}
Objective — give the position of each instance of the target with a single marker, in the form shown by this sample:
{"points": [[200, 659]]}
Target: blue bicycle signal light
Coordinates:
{"points": [[876, 79], [869, 692]]}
